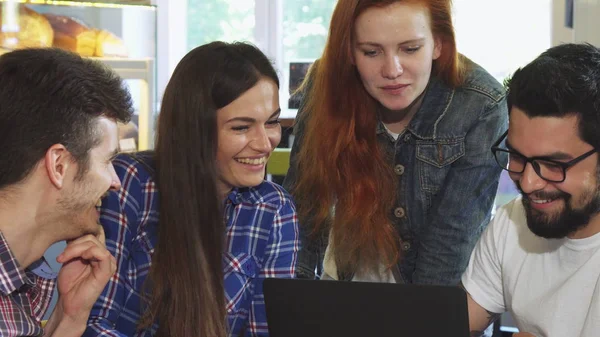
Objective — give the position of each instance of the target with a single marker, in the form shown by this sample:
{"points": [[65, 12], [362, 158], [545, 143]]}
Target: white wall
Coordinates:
{"points": [[171, 39], [586, 22]]}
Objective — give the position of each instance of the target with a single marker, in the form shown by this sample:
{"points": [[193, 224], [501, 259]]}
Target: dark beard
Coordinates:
{"points": [[568, 221]]}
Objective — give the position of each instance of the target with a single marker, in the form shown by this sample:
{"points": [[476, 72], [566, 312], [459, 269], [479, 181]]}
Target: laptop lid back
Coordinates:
{"points": [[301, 308]]}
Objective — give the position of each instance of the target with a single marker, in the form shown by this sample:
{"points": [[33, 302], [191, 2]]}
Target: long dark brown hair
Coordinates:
{"points": [[186, 277], [341, 164]]}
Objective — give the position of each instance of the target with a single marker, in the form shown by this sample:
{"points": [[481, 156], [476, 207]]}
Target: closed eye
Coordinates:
{"points": [[370, 53], [274, 122], [240, 128], [412, 50]]}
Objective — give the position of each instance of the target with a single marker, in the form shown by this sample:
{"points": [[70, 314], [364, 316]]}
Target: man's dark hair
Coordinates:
{"points": [[562, 81], [50, 96]]}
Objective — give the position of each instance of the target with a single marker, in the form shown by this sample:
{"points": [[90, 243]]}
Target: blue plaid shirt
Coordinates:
{"points": [[261, 241]]}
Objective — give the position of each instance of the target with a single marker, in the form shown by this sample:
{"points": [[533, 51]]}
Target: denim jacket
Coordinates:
{"points": [[447, 178]]}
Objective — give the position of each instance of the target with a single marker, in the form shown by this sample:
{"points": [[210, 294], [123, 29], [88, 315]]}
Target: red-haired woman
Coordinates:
{"points": [[391, 168]]}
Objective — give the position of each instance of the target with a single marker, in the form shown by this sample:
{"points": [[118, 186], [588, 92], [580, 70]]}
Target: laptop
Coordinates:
{"points": [[310, 308]]}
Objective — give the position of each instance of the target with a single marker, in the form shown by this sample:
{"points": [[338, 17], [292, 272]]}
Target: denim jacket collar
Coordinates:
{"points": [[435, 104]]}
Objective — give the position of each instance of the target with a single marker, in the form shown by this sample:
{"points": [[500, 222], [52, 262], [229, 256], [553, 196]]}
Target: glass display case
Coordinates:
{"points": [[119, 33]]}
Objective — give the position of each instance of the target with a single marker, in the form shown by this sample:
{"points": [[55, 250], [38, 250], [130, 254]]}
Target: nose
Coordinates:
{"points": [[530, 181], [261, 141], [115, 183], [392, 67]]}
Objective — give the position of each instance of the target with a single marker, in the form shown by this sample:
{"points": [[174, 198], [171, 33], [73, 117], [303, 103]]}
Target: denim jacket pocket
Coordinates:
{"points": [[240, 270], [435, 157]]}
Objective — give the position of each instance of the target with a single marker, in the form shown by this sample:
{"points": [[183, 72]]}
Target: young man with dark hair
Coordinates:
{"points": [[58, 135], [540, 257]]}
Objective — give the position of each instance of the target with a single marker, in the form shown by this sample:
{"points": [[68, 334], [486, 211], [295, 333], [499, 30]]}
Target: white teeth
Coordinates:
{"points": [[540, 201], [257, 161]]}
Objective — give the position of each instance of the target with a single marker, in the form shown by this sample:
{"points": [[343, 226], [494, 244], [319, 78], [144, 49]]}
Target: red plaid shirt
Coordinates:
{"points": [[24, 297]]}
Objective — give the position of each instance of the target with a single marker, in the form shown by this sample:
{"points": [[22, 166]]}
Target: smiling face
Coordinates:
{"points": [[82, 195], [555, 210], [393, 50], [248, 131]]}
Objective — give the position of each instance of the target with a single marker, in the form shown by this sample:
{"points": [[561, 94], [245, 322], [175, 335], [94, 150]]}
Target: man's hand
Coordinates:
{"points": [[523, 334], [87, 267]]}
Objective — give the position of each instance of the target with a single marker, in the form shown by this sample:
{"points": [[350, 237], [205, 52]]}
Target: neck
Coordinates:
{"points": [[397, 120], [224, 195], [592, 228], [21, 223], [223, 190]]}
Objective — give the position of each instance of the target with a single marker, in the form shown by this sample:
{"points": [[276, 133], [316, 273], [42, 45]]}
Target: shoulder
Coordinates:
{"points": [[138, 190], [138, 166], [269, 194], [510, 214], [509, 224], [135, 205], [479, 83]]}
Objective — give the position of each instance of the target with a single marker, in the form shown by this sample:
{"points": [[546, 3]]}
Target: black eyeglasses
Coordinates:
{"points": [[548, 169]]}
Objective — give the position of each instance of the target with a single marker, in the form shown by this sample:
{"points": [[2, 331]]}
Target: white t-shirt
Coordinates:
{"points": [[550, 286], [393, 134]]}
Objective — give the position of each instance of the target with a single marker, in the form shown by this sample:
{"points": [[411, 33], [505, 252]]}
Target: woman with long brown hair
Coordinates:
{"points": [[391, 167], [195, 228]]}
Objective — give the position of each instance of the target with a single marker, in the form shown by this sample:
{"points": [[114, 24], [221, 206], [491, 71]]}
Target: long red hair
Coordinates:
{"points": [[343, 170]]}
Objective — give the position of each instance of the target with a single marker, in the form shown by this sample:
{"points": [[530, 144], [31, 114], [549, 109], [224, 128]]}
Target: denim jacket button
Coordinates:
{"points": [[399, 169], [399, 212], [405, 246], [407, 137]]}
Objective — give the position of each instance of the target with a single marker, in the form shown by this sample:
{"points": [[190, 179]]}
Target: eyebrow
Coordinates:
{"points": [[409, 42], [252, 120], [551, 156]]}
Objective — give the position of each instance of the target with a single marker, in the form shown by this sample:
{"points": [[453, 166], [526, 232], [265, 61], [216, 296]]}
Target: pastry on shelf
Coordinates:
{"points": [[72, 34], [110, 45], [24, 28]]}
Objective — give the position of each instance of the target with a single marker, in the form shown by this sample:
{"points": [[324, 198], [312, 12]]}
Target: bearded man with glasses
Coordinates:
{"points": [[553, 169], [540, 257]]}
